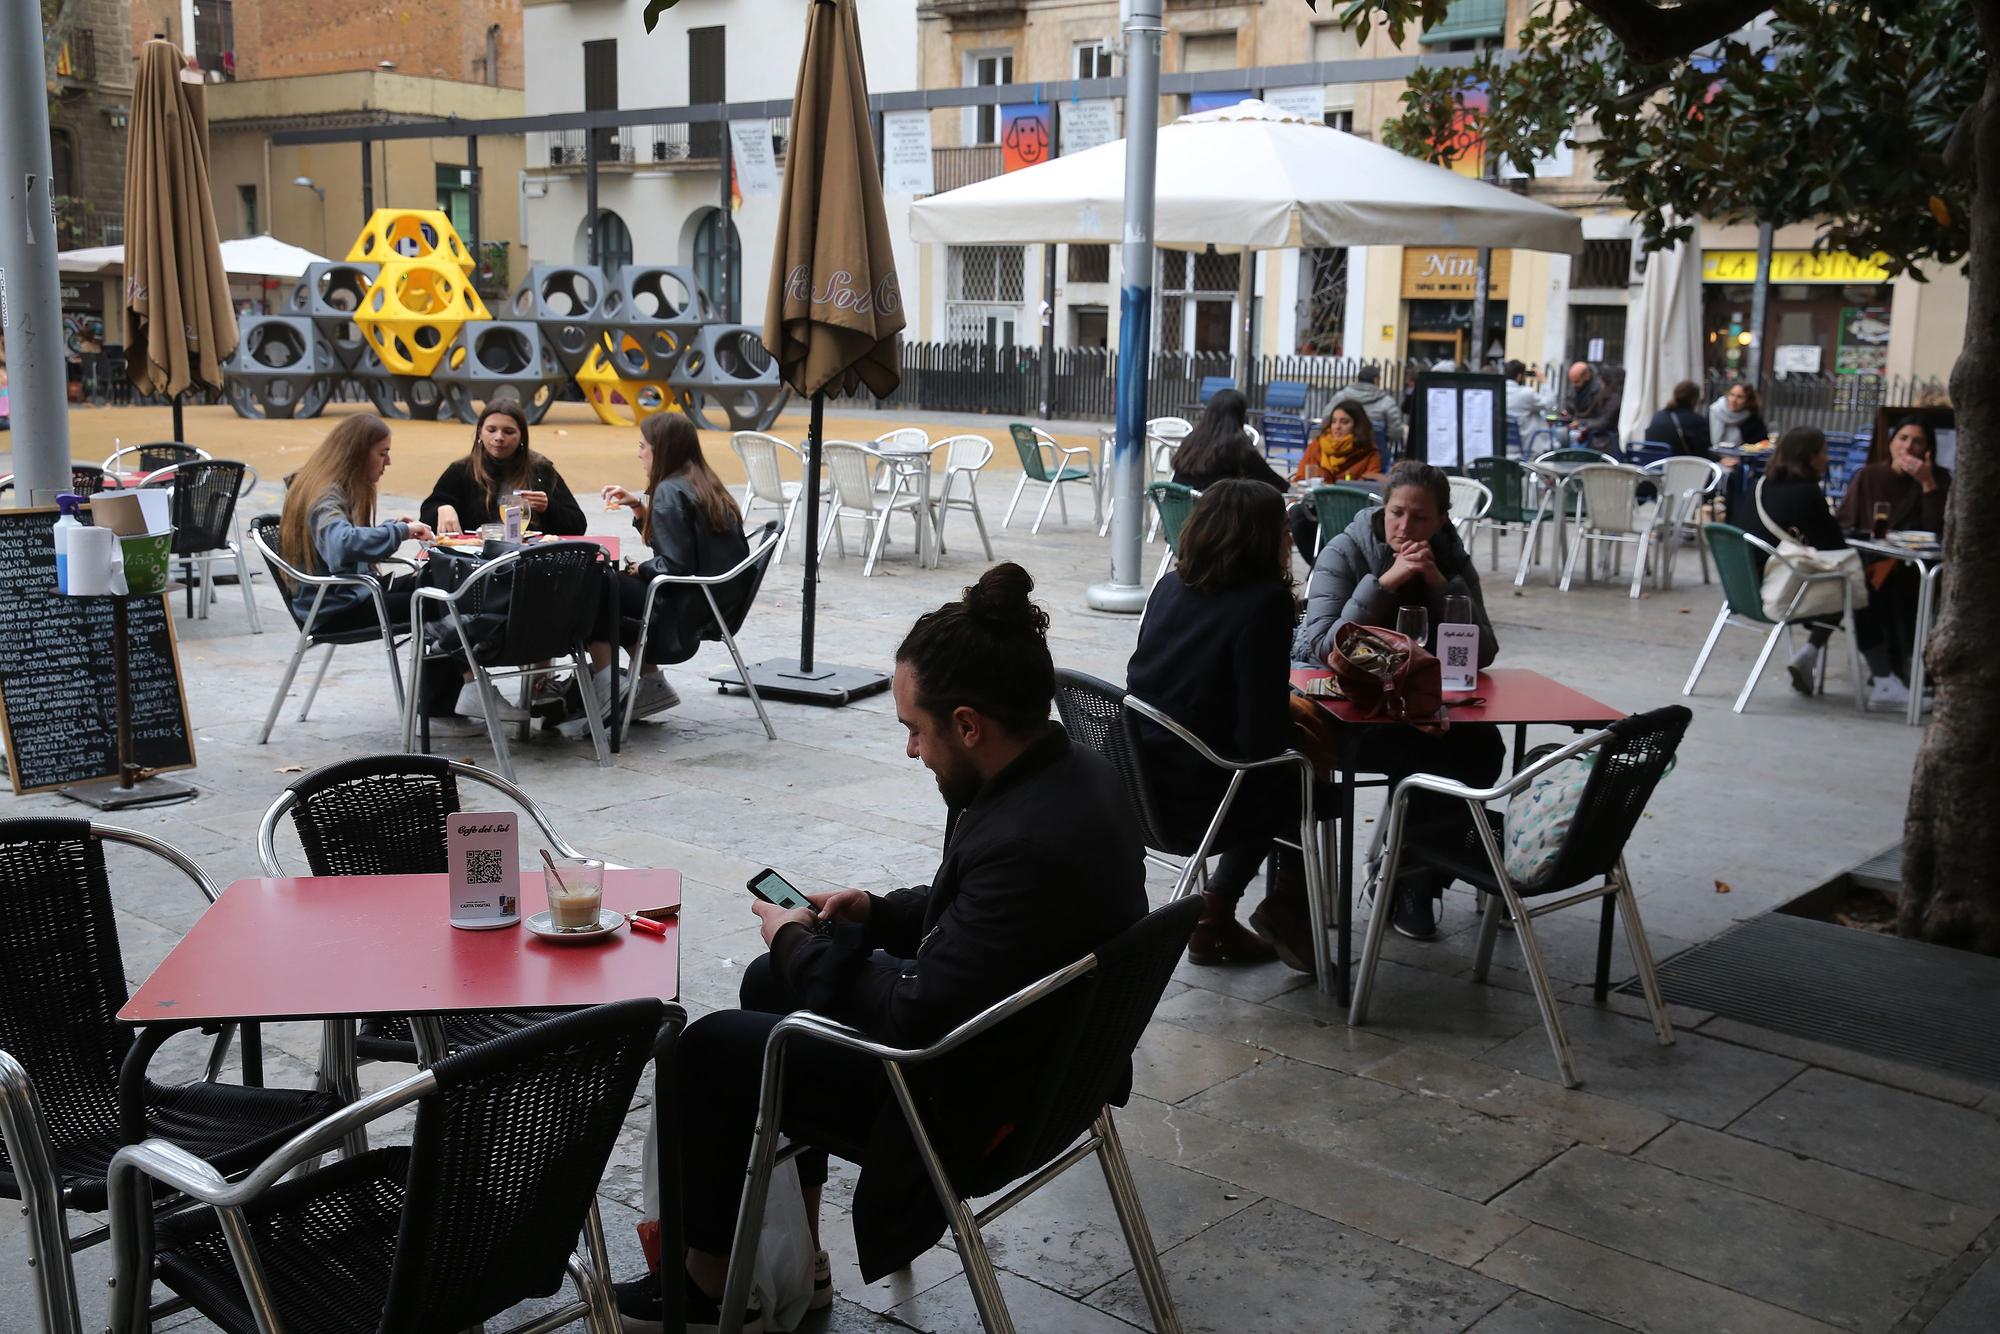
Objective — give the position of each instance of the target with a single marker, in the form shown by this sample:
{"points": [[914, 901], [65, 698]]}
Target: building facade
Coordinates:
{"points": [[89, 69], [661, 194], [278, 65]]}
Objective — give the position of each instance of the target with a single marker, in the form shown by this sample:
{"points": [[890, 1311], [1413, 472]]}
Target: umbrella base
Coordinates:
{"points": [[828, 683], [106, 794]]}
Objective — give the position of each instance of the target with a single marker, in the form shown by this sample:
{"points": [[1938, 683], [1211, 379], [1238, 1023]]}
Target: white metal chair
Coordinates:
{"points": [[903, 438], [1557, 503], [1471, 501], [1628, 759], [1612, 514], [964, 456], [851, 470], [1053, 465], [751, 568], [1743, 605], [1687, 482], [264, 533], [765, 484]]}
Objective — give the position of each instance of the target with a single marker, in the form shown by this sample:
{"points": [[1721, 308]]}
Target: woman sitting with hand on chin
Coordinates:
{"points": [[1407, 554], [691, 522], [468, 493]]}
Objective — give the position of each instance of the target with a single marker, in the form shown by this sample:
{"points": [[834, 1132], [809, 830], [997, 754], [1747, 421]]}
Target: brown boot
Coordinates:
{"points": [[1285, 918], [1219, 938]]}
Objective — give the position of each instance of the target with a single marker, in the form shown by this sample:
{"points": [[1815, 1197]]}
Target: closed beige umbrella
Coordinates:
{"points": [[180, 325], [834, 316]]}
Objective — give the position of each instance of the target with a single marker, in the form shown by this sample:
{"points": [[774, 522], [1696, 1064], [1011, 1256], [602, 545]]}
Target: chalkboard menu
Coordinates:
{"points": [[58, 679]]}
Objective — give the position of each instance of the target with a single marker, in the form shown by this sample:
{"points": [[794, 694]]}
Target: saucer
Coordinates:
{"points": [[608, 924]]}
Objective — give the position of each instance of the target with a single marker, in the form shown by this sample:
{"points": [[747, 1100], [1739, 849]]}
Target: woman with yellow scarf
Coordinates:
{"points": [[1342, 450]]}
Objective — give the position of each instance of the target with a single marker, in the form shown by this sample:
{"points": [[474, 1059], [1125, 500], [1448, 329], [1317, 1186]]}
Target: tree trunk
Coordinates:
{"points": [[1951, 836]]}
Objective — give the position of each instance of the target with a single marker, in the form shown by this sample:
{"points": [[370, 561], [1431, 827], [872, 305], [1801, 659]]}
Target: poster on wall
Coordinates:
{"points": [[906, 153], [1308, 102], [1088, 122], [1025, 140], [1864, 341], [755, 164]]}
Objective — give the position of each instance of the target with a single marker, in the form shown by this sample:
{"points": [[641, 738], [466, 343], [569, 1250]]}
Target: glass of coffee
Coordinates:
{"points": [[576, 891]]}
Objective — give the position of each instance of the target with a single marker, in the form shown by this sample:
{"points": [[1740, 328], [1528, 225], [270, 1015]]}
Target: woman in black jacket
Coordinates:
{"points": [[469, 492], [1787, 502], [1219, 447], [1681, 424], [1214, 655]]}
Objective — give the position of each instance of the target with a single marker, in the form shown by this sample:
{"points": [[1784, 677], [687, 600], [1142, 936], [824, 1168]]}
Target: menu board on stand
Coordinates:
{"points": [[59, 676], [1459, 417]]}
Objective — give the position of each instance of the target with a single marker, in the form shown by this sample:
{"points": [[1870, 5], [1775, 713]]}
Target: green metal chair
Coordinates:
{"points": [[1336, 507], [1742, 576], [1052, 472], [1172, 502], [1510, 511]]}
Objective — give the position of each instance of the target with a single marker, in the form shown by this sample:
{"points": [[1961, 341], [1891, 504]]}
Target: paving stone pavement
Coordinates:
{"points": [[1426, 1173]]}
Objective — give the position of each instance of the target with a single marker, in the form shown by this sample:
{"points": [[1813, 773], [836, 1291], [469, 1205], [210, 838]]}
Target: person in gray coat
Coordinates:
{"points": [[1405, 553]]}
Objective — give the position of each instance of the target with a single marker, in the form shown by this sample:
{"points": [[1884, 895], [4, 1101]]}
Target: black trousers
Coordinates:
{"points": [[721, 1061], [438, 691], [1303, 520], [1472, 754]]}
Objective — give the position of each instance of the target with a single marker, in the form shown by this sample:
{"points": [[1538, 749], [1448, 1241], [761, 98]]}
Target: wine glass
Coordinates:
{"points": [[1414, 622], [1458, 610]]}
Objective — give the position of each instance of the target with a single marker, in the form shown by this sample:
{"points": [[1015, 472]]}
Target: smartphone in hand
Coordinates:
{"points": [[774, 889]]}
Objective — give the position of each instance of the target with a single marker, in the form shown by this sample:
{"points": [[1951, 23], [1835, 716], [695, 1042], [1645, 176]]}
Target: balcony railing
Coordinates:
{"points": [[953, 167], [79, 224], [77, 61], [631, 147]]}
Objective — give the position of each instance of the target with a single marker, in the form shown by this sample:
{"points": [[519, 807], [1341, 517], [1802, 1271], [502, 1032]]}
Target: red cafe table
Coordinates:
{"points": [[337, 948], [1512, 696]]}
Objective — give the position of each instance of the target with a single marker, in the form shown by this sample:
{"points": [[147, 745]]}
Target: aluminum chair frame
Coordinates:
{"points": [[231, 549], [707, 583], [1726, 616], [1617, 885], [900, 472], [1589, 530], [579, 661], [158, 1160], [789, 494], [24, 1131], [954, 468], [1495, 528], [1102, 1142], [1554, 493], [110, 464], [1684, 519], [841, 502], [910, 438], [1481, 497], [1310, 842], [1053, 486], [322, 582]]}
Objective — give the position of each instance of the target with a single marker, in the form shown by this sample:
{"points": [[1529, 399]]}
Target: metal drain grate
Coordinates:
{"points": [[1900, 999]]}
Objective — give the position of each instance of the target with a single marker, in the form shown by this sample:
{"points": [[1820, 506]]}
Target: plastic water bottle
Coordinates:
{"points": [[68, 505]]}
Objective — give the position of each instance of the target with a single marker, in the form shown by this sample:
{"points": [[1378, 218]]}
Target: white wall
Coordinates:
{"points": [[658, 204]]}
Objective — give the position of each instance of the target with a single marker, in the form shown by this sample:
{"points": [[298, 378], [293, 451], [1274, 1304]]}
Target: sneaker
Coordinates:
{"points": [[552, 698], [1888, 694], [822, 1283], [600, 689], [450, 724], [503, 711], [640, 1310], [1804, 668], [1414, 913], [656, 695]]}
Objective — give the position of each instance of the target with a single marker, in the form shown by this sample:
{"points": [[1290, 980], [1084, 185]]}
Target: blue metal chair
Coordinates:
{"points": [[1284, 437]]}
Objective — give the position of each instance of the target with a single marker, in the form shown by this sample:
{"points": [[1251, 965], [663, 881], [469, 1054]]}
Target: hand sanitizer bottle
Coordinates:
{"points": [[68, 505]]}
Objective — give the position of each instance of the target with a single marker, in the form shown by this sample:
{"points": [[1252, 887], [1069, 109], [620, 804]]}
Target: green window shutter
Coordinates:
{"points": [[1469, 20]]}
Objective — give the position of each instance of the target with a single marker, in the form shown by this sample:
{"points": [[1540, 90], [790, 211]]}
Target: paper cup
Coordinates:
{"points": [[146, 561]]}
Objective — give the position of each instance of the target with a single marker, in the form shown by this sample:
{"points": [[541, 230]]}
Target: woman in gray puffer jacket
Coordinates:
{"points": [[1405, 553]]}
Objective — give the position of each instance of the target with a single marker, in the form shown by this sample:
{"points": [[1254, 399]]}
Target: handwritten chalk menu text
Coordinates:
{"points": [[58, 679]]}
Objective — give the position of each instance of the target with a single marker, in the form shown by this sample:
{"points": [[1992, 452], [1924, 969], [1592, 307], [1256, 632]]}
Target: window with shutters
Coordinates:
{"points": [[1208, 51], [985, 286], [1090, 263], [1604, 264], [706, 83], [600, 91]]}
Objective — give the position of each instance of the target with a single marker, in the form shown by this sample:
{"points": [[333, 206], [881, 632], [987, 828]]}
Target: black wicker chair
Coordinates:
{"points": [[1628, 759], [386, 815], [204, 519], [73, 1086], [545, 599], [1088, 1017], [287, 577], [152, 457], [481, 1211]]}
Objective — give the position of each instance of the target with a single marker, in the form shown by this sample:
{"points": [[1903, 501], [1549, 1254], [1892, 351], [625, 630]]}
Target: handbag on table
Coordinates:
{"points": [[1386, 674]]}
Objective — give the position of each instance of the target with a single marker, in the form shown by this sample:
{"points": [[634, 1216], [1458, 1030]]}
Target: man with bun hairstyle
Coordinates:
{"points": [[1042, 864]]}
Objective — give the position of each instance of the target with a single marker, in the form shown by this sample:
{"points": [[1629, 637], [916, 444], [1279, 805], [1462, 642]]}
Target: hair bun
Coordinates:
{"points": [[1000, 599]]}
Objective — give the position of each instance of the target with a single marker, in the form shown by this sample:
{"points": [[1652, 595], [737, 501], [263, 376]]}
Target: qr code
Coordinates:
{"points": [[1457, 655], [482, 866]]}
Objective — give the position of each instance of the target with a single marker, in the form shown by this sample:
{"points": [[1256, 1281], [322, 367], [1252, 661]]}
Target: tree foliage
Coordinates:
{"points": [[1833, 112]]}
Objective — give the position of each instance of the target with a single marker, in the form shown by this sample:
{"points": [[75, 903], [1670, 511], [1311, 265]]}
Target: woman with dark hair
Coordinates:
{"points": [[1219, 447], [1342, 450], [1734, 419], [691, 522], [1407, 554], [1788, 502], [468, 493], [1916, 490], [1212, 656], [1681, 423]]}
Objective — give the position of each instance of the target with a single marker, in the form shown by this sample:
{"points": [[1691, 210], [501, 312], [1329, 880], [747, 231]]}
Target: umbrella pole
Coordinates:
{"points": [[813, 430], [180, 427]]}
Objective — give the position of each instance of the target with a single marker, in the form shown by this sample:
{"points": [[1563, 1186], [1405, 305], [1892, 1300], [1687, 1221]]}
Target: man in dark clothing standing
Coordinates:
{"points": [[1042, 864]]}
